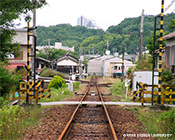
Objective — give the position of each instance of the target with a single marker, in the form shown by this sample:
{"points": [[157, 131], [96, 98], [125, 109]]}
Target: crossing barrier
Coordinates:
{"points": [[144, 93], [36, 91]]}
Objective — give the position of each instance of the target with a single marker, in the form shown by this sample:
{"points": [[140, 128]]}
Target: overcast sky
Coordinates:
{"points": [[104, 12]]}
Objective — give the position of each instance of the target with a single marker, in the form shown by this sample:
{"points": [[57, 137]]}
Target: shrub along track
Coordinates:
{"points": [[55, 119]]}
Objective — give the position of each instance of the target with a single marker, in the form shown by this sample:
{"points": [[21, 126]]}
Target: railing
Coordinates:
{"points": [[144, 93], [35, 92]]}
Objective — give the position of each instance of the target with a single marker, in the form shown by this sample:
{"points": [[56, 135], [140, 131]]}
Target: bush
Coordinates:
{"points": [[51, 73], [43, 69], [3, 102], [14, 120], [167, 120], [57, 82], [7, 80], [167, 77]]}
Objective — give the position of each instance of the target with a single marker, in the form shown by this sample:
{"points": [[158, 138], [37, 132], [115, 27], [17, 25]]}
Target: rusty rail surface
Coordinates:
{"points": [[107, 114], [67, 127]]}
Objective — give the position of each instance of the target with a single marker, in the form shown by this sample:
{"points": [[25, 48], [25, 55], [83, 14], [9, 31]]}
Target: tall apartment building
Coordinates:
{"points": [[83, 21]]}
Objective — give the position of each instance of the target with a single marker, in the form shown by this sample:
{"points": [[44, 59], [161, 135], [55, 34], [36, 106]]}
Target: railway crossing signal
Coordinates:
{"points": [[160, 54]]}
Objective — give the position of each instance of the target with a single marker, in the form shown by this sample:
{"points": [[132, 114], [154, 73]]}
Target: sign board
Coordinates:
{"points": [[10, 56], [73, 77], [144, 77]]}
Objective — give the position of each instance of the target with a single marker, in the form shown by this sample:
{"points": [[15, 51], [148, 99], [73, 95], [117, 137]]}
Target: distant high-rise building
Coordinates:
{"points": [[82, 21]]}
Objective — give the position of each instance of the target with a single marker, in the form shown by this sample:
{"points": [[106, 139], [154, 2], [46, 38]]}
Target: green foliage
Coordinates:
{"points": [[158, 122], [43, 69], [51, 73], [171, 24], [7, 80], [57, 82], [57, 94], [65, 33], [167, 77], [128, 32], [167, 120], [6, 45], [11, 10], [76, 85], [131, 27], [4, 101], [145, 65], [13, 121], [149, 120], [150, 42], [118, 88]]}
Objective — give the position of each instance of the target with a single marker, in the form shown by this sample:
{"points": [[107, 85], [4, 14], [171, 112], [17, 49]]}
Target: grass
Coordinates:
{"points": [[61, 93], [154, 122], [57, 94], [118, 89], [14, 120]]}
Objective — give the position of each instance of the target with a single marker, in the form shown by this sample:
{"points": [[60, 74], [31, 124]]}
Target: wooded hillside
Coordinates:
{"points": [[128, 32]]}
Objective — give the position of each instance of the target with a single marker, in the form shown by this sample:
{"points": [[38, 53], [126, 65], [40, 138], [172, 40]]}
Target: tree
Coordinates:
{"points": [[6, 45], [150, 43], [11, 10], [7, 80], [171, 24]]}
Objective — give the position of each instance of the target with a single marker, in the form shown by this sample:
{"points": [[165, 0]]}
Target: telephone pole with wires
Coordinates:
{"points": [[141, 36]]}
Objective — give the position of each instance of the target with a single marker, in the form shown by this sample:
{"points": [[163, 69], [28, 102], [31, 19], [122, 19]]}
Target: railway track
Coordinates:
{"points": [[90, 121]]}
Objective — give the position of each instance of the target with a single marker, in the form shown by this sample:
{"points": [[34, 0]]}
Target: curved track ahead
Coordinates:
{"points": [[90, 121]]}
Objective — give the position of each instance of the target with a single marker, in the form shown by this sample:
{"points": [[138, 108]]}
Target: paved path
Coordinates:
{"points": [[97, 103]]}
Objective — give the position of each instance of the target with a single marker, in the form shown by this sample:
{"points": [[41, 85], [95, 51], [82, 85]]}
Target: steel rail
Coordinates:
{"points": [[63, 134], [107, 114]]}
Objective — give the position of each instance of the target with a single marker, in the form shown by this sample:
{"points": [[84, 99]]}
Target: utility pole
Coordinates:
{"points": [[141, 36], [123, 62], [160, 54], [48, 50]]}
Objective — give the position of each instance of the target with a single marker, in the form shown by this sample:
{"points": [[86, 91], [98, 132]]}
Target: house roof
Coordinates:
{"points": [[117, 59], [169, 36], [67, 56], [101, 57], [13, 66], [42, 59]]}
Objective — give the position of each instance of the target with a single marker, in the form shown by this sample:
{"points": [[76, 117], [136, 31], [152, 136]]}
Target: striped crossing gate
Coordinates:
{"points": [[36, 91], [145, 92]]}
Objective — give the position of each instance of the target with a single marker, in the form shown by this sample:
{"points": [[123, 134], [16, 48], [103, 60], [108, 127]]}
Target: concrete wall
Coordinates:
{"points": [[144, 77], [95, 66]]}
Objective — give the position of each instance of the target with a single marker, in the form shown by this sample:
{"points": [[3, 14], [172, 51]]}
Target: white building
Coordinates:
{"points": [[67, 64], [107, 65], [82, 21], [95, 65], [21, 38], [58, 45]]}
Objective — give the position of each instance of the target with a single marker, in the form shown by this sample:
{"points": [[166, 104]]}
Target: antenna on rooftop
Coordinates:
{"points": [[107, 51]]}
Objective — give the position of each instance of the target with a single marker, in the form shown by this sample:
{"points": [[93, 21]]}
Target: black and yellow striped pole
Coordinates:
{"points": [[160, 54], [28, 61]]}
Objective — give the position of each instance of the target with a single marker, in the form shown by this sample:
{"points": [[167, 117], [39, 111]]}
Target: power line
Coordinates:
{"points": [[172, 2]]}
